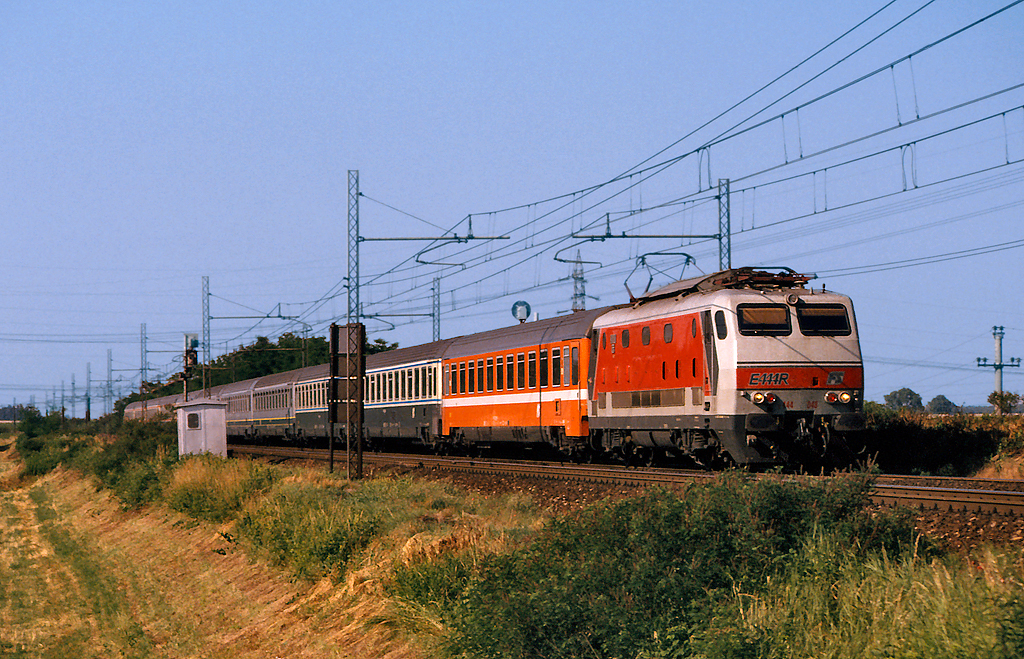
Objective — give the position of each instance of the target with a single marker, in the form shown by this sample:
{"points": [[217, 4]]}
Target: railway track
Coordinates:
{"points": [[954, 494]]}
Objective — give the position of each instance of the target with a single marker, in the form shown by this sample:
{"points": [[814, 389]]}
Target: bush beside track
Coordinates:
{"points": [[736, 568], [907, 442]]}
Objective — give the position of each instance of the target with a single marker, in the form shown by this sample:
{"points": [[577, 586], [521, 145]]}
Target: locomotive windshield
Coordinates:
{"points": [[823, 320], [764, 319]]}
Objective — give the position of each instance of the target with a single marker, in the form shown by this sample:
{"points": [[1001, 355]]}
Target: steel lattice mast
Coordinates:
{"points": [[353, 246]]}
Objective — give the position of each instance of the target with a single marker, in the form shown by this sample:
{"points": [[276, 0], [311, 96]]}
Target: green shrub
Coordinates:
{"points": [[438, 582], [908, 442], [134, 462], [310, 529], [43, 453], [604, 581], [212, 488]]}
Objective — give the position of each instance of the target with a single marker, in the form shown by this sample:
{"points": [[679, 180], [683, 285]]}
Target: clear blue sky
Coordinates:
{"points": [[145, 145]]}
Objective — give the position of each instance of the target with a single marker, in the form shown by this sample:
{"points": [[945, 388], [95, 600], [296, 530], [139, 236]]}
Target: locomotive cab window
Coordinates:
{"points": [[823, 320], [720, 327], [764, 320]]}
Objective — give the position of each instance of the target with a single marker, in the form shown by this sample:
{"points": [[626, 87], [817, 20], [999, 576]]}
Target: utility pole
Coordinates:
{"points": [[142, 369], [206, 330], [998, 332], [109, 407], [88, 391]]}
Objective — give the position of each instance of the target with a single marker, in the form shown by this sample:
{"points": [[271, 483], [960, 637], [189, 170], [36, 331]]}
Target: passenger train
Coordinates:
{"points": [[741, 367]]}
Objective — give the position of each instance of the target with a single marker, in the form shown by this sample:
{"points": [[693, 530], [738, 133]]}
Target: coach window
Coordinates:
{"points": [[532, 369], [556, 367], [472, 376], [668, 332], [500, 381], [391, 387], [448, 377], [520, 371], [645, 335], [462, 377], [575, 365], [490, 374], [509, 375], [625, 338], [480, 375], [544, 368], [416, 375], [402, 380]]}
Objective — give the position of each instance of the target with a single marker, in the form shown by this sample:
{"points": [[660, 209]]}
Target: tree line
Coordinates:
{"points": [[1003, 402], [263, 357]]}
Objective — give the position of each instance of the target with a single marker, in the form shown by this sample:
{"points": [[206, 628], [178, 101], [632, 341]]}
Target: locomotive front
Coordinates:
{"points": [[796, 364], [743, 366]]}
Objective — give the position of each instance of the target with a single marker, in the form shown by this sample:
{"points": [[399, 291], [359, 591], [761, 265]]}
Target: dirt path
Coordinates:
{"points": [[81, 577]]}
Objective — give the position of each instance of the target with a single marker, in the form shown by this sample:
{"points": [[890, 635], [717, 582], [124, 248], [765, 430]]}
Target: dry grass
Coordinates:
{"points": [[175, 586], [1009, 467], [182, 589]]}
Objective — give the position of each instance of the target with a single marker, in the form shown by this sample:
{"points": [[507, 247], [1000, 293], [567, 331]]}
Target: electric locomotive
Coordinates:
{"points": [[742, 366]]}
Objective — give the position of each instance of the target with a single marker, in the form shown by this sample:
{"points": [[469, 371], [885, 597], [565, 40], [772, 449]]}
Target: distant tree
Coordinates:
{"points": [[904, 399], [378, 345], [941, 405], [1003, 401]]}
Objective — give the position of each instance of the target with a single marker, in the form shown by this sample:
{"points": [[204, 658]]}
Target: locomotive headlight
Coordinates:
{"points": [[770, 398], [845, 397], [831, 397], [758, 397]]}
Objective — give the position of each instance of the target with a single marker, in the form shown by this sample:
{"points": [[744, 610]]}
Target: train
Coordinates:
{"points": [[745, 367]]}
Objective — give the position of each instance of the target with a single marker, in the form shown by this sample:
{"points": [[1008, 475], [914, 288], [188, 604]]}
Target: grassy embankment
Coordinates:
{"points": [[160, 563]]}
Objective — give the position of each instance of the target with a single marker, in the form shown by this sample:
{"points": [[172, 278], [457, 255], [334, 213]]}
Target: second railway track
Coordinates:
{"points": [[953, 494]]}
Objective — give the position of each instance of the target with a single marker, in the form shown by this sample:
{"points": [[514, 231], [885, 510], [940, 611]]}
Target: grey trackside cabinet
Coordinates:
{"points": [[202, 427]]}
